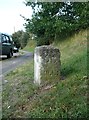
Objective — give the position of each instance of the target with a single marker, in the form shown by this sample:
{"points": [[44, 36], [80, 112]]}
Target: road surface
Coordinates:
{"points": [[6, 65]]}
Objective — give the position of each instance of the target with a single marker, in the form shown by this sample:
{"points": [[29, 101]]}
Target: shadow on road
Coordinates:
{"points": [[4, 57]]}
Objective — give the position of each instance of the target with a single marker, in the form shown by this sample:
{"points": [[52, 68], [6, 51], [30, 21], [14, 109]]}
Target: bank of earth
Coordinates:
{"points": [[66, 99]]}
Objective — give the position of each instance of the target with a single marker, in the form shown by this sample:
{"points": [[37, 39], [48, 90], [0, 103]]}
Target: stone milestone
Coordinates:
{"points": [[46, 65]]}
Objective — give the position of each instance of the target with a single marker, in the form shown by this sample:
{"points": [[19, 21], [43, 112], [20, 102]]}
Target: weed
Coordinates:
{"points": [[65, 99]]}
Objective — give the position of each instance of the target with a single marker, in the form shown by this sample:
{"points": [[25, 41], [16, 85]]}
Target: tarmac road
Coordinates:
{"points": [[7, 65]]}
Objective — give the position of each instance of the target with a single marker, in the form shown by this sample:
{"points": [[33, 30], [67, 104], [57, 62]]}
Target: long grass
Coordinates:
{"points": [[30, 46], [65, 99]]}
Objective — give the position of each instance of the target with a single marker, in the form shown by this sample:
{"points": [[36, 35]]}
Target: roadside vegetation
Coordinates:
{"points": [[30, 46], [63, 25], [66, 99], [52, 21]]}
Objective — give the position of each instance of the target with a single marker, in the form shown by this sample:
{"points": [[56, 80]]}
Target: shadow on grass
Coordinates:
{"points": [[68, 70]]}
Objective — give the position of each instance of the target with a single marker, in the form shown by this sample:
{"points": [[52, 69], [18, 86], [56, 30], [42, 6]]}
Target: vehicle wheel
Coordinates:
{"points": [[10, 54]]}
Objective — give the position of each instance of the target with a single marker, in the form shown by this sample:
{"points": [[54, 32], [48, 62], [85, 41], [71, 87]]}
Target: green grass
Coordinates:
{"points": [[30, 46], [65, 99]]}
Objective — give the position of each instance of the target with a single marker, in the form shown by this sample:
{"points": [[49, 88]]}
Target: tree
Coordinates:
{"points": [[20, 38], [52, 20], [16, 38], [43, 20]]}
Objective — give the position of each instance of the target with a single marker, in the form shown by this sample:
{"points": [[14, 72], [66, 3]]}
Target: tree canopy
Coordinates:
{"points": [[20, 38], [52, 20]]}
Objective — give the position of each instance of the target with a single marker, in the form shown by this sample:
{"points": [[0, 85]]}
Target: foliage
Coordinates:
{"points": [[30, 46], [20, 38], [16, 38], [51, 20]]}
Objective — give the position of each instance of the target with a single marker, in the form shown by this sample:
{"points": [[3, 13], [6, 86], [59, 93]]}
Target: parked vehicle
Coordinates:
{"points": [[15, 49], [6, 45]]}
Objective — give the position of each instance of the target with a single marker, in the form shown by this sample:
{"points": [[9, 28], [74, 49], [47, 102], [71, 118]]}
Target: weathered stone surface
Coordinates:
{"points": [[46, 64]]}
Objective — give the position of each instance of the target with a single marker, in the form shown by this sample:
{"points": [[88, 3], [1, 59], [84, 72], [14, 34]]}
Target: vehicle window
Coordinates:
{"points": [[4, 39], [8, 39], [0, 38]]}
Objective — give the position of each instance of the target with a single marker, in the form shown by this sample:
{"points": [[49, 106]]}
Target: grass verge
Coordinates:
{"points": [[66, 99], [30, 46]]}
